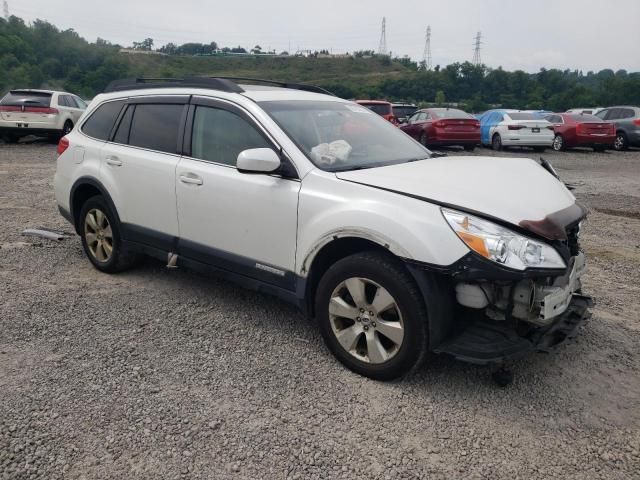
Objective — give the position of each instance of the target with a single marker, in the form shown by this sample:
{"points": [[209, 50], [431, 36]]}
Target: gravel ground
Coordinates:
{"points": [[167, 374]]}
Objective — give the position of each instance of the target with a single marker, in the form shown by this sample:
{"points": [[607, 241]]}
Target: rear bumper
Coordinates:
{"points": [[527, 141], [24, 131], [594, 140], [483, 341]]}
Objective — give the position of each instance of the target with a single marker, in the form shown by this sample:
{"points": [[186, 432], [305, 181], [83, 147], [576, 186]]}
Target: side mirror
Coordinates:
{"points": [[258, 160]]}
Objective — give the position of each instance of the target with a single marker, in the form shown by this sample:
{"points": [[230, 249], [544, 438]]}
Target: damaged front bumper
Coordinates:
{"points": [[484, 341]]}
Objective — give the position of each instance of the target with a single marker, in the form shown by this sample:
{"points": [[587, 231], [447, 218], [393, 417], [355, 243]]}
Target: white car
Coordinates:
{"points": [[39, 112], [325, 204], [514, 128]]}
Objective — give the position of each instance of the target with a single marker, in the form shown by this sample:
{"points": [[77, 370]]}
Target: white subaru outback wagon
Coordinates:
{"points": [[289, 190]]}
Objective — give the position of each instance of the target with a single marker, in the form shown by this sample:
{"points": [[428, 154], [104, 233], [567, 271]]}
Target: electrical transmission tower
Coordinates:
{"points": [[6, 10], [426, 57], [476, 53], [382, 48]]}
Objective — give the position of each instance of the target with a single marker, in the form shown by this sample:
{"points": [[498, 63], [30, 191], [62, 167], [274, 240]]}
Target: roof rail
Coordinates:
{"points": [[194, 82], [225, 84], [294, 86]]}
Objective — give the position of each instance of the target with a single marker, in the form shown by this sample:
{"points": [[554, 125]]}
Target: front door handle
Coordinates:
{"points": [[191, 179], [113, 161]]}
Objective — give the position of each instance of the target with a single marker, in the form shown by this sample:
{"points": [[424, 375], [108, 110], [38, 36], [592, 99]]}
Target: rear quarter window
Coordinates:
{"points": [[100, 122]]}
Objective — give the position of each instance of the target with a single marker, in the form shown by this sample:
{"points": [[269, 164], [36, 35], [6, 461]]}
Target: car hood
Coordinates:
{"points": [[514, 190]]}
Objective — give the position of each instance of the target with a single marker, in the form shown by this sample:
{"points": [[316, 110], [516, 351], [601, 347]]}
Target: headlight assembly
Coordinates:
{"points": [[502, 245]]}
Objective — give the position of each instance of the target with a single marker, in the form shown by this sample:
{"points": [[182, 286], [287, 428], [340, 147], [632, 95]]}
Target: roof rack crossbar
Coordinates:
{"points": [[213, 83]]}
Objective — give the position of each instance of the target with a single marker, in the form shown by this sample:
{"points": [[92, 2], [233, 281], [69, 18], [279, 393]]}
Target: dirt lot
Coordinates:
{"points": [[166, 374]]}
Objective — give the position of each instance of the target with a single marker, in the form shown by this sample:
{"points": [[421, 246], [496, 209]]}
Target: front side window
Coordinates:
{"points": [[343, 136], [155, 126], [220, 135], [100, 122]]}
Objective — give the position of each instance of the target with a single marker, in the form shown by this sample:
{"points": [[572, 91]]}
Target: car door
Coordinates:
{"points": [[410, 127], [239, 222], [138, 168], [487, 126]]}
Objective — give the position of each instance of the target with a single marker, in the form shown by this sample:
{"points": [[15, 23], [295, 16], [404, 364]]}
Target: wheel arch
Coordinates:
{"points": [[333, 249], [82, 190]]}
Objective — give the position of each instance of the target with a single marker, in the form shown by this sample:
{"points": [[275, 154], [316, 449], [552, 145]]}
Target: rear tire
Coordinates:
{"points": [[496, 142], [558, 143], [66, 129], [621, 142], [381, 330], [101, 237], [424, 140]]}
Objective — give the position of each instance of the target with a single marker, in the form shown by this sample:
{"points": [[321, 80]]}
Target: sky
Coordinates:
{"points": [[516, 34]]}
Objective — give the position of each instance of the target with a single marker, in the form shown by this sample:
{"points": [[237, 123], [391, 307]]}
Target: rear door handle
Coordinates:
{"points": [[113, 161], [191, 179]]}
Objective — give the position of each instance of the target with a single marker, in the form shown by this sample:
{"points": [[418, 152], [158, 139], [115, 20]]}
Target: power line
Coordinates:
{"points": [[426, 57], [382, 48], [477, 60]]}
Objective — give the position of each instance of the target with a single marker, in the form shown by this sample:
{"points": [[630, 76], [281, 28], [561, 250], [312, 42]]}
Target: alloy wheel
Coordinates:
{"points": [[66, 130], [558, 143], [619, 142], [98, 235], [366, 320]]}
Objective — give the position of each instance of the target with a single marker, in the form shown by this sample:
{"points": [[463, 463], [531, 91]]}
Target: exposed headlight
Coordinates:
{"points": [[500, 244]]}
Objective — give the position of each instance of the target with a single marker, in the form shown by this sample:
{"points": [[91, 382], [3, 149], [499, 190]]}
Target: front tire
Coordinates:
{"points": [[101, 237], [372, 316], [67, 128], [496, 142]]}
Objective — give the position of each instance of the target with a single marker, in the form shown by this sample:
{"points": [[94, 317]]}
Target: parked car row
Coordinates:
{"points": [[39, 112], [609, 128]]}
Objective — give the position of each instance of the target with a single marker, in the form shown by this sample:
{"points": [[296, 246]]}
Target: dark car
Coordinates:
{"points": [[403, 111], [381, 107], [581, 130], [444, 127], [627, 122]]}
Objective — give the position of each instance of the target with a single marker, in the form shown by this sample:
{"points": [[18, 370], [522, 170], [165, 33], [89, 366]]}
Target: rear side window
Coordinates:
{"points": [[100, 123], [220, 136], [155, 126], [17, 98]]}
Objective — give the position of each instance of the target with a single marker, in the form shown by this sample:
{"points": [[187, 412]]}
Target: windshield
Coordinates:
{"points": [[17, 98], [379, 108], [343, 136], [585, 118], [450, 113], [523, 116]]}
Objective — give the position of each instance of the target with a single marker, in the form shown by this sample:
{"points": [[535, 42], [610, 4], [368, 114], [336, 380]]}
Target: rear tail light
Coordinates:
{"points": [[516, 127], [63, 144], [9, 108], [636, 121], [439, 124]]}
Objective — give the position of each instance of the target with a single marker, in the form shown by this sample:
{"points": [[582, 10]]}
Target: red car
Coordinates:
{"points": [[443, 126], [581, 130], [381, 107]]}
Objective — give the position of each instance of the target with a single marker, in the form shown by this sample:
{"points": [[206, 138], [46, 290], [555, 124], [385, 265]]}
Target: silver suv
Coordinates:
{"points": [[627, 121]]}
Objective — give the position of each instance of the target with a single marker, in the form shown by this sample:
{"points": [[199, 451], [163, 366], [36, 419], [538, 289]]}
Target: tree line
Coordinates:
{"points": [[39, 55]]}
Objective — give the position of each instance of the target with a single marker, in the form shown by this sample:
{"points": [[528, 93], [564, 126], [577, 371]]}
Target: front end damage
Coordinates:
{"points": [[501, 315]]}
